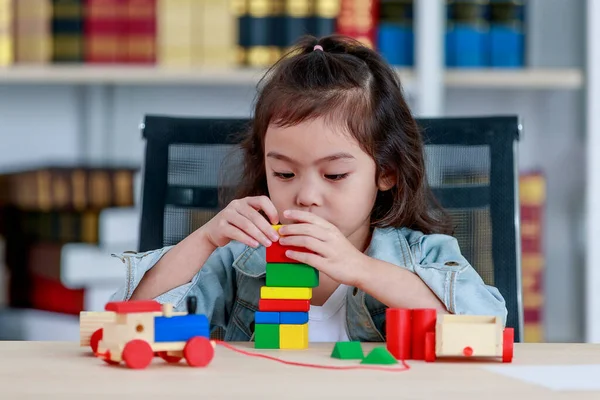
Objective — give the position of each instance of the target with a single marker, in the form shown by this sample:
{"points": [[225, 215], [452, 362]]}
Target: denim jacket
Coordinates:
{"points": [[228, 285]]}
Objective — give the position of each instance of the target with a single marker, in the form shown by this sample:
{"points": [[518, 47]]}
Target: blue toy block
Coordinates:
{"points": [[293, 318], [266, 317], [180, 328]]}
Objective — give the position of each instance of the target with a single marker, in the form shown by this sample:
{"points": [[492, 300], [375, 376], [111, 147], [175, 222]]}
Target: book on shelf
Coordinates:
{"points": [[254, 33], [78, 187], [7, 36], [532, 189], [485, 33]]}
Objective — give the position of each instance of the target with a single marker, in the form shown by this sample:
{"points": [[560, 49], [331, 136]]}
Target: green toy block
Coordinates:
{"points": [[348, 351], [379, 355], [266, 336], [291, 275]]}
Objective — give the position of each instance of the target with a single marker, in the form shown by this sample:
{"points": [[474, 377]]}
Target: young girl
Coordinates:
{"points": [[334, 155]]}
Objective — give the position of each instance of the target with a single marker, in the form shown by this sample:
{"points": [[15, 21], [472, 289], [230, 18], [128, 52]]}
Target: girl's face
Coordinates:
{"points": [[313, 167]]}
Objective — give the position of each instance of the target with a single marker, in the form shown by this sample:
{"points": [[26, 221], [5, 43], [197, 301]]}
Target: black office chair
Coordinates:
{"points": [[471, 167]]}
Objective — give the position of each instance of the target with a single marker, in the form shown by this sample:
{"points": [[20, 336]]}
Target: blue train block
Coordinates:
{"points": [[266, 317], [180, 328], [293, 318]]}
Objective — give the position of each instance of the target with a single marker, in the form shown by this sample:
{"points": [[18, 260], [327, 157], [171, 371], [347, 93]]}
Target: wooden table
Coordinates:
{"points": [[32, 369]]}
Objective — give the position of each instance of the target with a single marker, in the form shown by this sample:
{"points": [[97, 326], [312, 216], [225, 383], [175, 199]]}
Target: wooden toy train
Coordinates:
{"points": [[136, 331], [422, 334]]}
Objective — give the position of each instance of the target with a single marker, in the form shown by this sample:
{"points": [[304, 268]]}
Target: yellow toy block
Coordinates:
{"points": [[293, 336], [286, 293]]}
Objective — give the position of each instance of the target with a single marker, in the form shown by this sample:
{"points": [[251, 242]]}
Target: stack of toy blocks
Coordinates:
{"points": [[282, 319]]}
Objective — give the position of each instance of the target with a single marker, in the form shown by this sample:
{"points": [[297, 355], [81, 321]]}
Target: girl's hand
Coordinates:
{"points": [[241, 221], [333, 254]]}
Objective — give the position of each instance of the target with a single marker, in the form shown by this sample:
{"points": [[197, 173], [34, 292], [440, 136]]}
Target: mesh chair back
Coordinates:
{"points": [[471, 166]]}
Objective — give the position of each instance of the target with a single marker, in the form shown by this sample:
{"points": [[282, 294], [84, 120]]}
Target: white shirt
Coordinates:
{"points": [[327, 323]]}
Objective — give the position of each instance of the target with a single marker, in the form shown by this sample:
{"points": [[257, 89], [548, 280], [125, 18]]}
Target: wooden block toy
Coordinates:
{"points": [[469, 336], [379, 355], [169, 329], [266, 317], [423, 321], [398, 332], [293, 318], [285, 293], [142, 329], [351, 350], [90, 324], [284, 301], [421, 334], [293, 336], [276, 253], [267, 336], [283, 305], [292, 275]]}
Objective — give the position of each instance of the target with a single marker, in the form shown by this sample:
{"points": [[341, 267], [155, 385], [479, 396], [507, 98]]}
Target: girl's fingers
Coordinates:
{"points": [[305, 229], [305, 216], [314, 260], [314, 245], [259, 222], [240, 221], [234, 233], [265, 204]]}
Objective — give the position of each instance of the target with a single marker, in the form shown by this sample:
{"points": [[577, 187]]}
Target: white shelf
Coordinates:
{"points": [[152, 75], [517, 78]]}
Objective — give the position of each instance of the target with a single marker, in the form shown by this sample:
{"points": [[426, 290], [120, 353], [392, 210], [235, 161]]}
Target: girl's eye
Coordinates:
{"points": [[336, 177], [283, 175]]}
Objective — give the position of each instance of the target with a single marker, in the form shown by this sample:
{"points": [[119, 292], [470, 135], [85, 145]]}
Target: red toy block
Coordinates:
{"points": [[276, 253], [423, 321], [430, 347], [398, 332], [508, 341], [133, 306], [283, 305]]}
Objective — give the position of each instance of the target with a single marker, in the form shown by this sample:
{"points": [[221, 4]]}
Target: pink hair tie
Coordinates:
{"points": [[317, 47]]}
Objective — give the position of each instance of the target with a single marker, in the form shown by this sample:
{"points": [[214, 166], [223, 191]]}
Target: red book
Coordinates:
{"points": [[141, 31], [358, 19], [104, 31]]}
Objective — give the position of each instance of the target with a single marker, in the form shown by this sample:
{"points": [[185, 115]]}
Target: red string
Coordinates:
{"points": [[308, 365]]}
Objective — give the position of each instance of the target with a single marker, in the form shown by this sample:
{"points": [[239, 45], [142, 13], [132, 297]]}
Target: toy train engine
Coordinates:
{"points": [[142, 330]]}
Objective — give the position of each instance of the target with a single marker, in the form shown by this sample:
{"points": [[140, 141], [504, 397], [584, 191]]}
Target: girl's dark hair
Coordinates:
{"points": [[351, 84]]}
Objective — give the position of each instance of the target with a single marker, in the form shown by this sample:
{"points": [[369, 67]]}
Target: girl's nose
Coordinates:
{"points": [[308, 195]]}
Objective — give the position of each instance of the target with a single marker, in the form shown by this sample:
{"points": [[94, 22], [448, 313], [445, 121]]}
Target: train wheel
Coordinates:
{"points": [[137, 354], [169, 358], [107, 359], [95, 339], [430, 347], [198, 351], [508, 339]]}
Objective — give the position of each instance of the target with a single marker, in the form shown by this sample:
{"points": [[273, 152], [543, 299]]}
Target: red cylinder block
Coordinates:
{"points": [[398, 332], [423, 321]]}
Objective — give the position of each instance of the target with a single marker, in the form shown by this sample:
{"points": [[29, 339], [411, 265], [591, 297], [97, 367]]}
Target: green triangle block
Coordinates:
{"points": [[379, 355], [347, 351]]}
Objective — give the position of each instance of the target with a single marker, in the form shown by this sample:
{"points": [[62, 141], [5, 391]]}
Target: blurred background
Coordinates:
{"points": [[78, 76]]}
